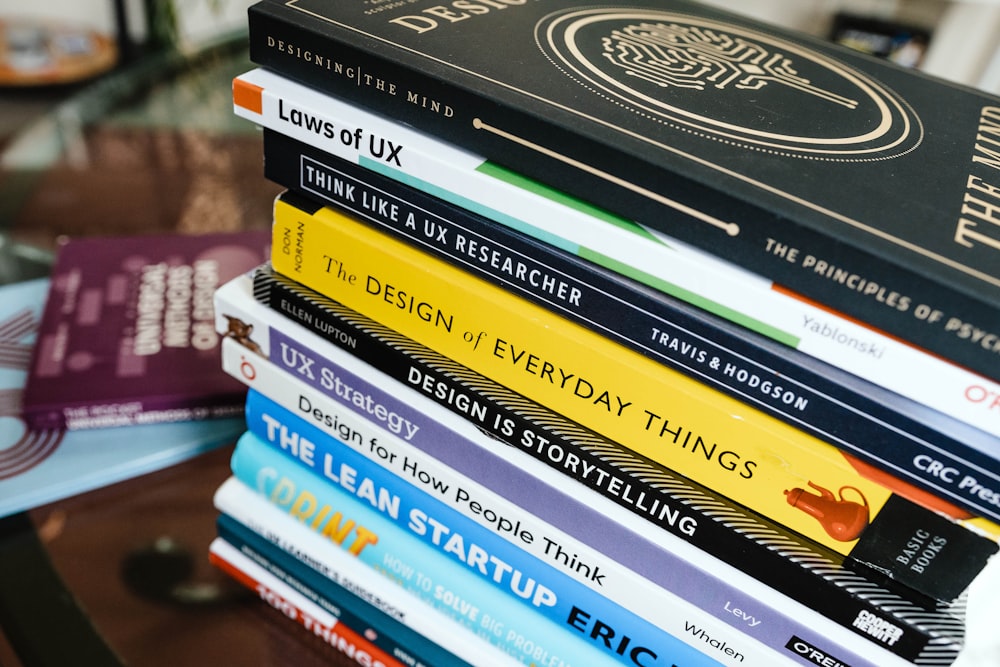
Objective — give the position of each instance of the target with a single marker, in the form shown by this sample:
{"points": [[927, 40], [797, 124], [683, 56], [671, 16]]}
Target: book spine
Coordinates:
{"points": [[901, 438], [441, 170], [695, 212], [529, 545], [466, 577], [301, 605], [712, 590], [127, 413], [634, 487], [675, 420], [327, 575]]}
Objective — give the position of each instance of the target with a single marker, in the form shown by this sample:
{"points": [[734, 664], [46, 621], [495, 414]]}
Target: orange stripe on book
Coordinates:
{"points": [[248, 96], [775, 287], [907, 490], [340, 636]]}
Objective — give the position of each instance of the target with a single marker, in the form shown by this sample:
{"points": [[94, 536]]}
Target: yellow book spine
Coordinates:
{"points": [[694, 430]]}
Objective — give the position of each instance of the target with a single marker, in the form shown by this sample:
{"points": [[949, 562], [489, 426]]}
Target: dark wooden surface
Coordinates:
{"points": [[89, 539]]}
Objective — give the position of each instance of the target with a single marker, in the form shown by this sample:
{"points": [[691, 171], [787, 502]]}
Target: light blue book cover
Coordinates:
{"points": [[41, 466], [462, 568]]}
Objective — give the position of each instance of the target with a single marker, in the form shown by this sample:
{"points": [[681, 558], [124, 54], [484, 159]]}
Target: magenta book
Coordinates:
{"points": [[127, 335]]}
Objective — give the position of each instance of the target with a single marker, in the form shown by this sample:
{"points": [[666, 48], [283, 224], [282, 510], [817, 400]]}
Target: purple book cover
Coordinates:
{"points": [[127, 335]]}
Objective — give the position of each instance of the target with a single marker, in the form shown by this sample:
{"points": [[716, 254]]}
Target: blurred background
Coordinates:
{"points": [[955, 39], [49, 50]]}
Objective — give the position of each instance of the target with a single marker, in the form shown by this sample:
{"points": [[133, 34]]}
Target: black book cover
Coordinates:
{"points": [[866, 186]]}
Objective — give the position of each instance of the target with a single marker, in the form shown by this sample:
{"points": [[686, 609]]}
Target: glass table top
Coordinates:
{"points": [[120, 575], [151, 148]]}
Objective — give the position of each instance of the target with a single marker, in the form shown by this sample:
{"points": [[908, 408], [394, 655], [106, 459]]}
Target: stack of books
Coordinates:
{"points": [[593, 335]]}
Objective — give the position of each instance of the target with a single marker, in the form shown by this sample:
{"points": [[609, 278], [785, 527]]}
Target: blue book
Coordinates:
{"points": [[40, 466], [299, 542], [355, 503], [390, 635]]}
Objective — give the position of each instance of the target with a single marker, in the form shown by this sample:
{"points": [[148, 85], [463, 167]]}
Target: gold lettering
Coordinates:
{"points": [[981, 209], [987, 156], [976, 209], [469, 8], [989, 133], [447, 14], [967, 233], [418, 23]]}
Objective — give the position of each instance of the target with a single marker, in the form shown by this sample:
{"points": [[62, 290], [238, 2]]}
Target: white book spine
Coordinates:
{"points": [[550, 546]]}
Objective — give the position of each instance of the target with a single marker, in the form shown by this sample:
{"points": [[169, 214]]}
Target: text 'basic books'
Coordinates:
{"points": [[533, 507], [718, 441]]}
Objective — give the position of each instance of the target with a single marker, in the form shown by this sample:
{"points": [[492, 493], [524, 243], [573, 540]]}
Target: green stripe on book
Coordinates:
{"points": [[583, 252]]}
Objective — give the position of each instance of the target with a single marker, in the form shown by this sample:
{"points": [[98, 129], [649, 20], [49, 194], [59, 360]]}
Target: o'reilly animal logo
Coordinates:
{"points": [[730, 84]]}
